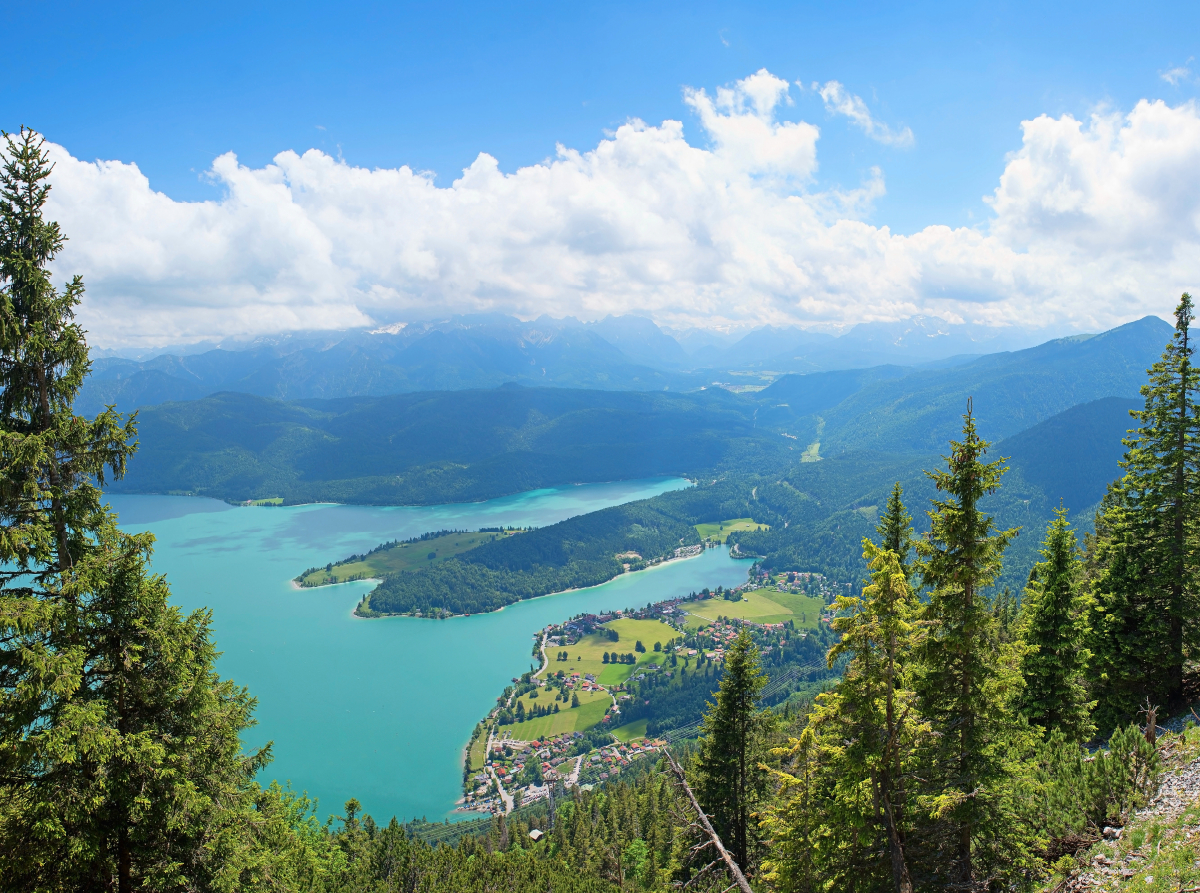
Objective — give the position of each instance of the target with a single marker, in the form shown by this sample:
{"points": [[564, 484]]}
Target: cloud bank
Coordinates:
{"points": [[1095, 222]]}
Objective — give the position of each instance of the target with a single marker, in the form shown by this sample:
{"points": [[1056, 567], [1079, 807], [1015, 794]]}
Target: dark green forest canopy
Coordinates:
{"points": [[918, 411], [446, 446], [454, 446], [818, 513], [580, 551]]}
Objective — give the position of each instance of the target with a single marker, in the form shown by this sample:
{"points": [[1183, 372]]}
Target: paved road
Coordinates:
{"points": [[545, 661], [505, 796]]}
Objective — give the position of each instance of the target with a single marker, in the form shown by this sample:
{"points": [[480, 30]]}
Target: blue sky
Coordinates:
{"points": [[171, 87]]}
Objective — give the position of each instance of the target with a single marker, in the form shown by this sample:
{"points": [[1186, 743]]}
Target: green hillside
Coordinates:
{"points": [[1073, 456], [918, 412], [454, 446]]}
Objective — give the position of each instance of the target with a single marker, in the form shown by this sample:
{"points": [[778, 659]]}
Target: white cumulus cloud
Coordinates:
{"points": [[840, 101], [1095, 222]]}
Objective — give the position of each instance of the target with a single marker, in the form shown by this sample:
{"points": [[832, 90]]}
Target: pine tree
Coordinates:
{"points": [[50, 456], [895, 528], [1146, 559], [1053, 628], [120, 759], [729, 781], [963, 680], [867, 728]]}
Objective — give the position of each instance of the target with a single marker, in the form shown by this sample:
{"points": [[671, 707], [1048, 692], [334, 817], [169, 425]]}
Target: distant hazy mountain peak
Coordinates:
{"points": [[393, 329]]}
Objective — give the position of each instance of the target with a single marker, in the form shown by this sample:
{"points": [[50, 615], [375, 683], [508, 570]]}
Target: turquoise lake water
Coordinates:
{"points": [[375, 709]]}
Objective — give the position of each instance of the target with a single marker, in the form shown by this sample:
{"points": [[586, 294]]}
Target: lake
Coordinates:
{"points": [[375, 709]]}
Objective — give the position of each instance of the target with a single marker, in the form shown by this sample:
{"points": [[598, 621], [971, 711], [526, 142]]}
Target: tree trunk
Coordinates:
{"points": [[124, 862], [900, 876]]}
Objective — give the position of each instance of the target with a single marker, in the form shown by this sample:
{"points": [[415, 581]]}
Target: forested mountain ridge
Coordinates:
{"points": [[577, 552], [447, 446], [918, 411], [468, 445]]}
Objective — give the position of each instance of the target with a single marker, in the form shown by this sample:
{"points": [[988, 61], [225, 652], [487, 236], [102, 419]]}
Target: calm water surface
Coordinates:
{"points": [[375, 709]]}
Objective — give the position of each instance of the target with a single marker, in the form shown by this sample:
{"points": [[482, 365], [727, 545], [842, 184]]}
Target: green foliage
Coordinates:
{"points": [[1082, 790], [730, 783], [869, 724], [966, 679], [895, 528], [574, 553], [121, 764], [1053, 630], [1146, 562], [845, 806]]}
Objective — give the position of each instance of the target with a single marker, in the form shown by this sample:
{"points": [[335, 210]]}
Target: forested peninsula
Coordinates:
{"points": [[581, 551], [814, 514]]}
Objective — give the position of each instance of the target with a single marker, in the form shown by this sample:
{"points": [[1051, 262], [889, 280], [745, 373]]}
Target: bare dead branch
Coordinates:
{"points": [[734, 871]]}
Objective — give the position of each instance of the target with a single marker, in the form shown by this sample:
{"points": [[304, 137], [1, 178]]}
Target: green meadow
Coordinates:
{"points": [[631, 731], [592, 707], [586, 655], [478, 754], [400, 557], [719, 530], [758, 606]]}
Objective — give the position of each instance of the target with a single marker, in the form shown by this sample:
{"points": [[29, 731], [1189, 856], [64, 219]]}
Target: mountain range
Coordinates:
{"points": [[1060, 409], [484, 351]]}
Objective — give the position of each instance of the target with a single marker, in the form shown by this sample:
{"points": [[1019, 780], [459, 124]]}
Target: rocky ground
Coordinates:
{"points": [[1158, 850]]}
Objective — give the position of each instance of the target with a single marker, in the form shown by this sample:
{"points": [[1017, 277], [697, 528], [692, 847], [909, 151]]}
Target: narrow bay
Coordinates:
{"points": [[376, 709]]}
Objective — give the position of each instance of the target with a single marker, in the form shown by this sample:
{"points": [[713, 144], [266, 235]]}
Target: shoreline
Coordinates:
{"points": [[395, 505], [662, 563]]}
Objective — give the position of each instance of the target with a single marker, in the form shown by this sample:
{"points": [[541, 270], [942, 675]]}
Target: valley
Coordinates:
{"points": [[326, 681], [799, 521]]}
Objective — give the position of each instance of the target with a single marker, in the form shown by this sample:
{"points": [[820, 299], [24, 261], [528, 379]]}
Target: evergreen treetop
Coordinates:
{"points": [[1053, 627], [53, 461], [964, 680], [867, 728], [895, 528], [1146, 563], [121, 764], [730, 782]]}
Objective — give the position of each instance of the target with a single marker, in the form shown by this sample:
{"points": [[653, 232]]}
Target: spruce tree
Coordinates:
{"points": [[867, 727], [963, 679], [730, 782], [120, 760], [1145, 562], [895, 528], [1053, 629]]}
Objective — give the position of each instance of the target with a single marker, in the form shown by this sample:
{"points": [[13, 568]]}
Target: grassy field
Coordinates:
{"points": [[759, 606], [719, 530], [591, 709], [401, 557], [274, 500], [586, 654], [478, 753], [631, 731]]}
